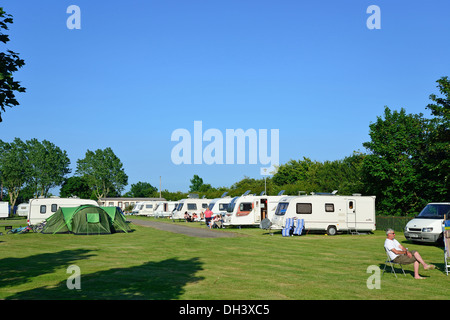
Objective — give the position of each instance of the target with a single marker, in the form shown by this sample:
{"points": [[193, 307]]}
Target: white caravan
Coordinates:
{"points": [[190, 205], [327, 212], [165, 208], [42, 208], [22, 209], [145, 208], [4, 209], [250, 210], [427, 226], [220, 205]]}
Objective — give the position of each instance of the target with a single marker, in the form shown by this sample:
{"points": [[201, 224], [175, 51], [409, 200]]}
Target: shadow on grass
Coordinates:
{"points": [[163, 280], [17, 271]]}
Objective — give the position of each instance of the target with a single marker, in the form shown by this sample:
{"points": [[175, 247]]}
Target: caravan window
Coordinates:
{"points": [[54, 207], [204, 205], [245, 206], [350, 205], [329, 207], [304, 208], [43, 209], [148, 206], [180, 206], [281, 208], [192, 206], [223, 206]]}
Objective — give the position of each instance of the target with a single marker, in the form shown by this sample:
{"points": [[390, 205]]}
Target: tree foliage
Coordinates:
{"points": [[14, 167], [103, 171], [390, 168], [49, 166], [408, 164], [142, 189], [76, 187], [9, 63], [32, 166], [436, 153], [315, 176]]}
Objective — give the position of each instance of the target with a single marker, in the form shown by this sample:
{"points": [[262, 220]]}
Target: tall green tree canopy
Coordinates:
{"points": [[49, 166], [409, 157], [103, 171], [436, 167], [391, 166], [14, 167], [9, 63]]}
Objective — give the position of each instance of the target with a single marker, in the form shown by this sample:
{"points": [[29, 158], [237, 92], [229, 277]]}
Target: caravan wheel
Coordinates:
{"points": [[331, 230]]}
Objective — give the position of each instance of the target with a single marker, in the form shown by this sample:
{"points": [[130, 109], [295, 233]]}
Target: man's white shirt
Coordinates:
{"points": [[392, 244]]}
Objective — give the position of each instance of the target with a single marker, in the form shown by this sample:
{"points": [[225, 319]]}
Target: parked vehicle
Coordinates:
{"points": [[191, 206], [164, 209], [250, 210], [327, 212], [42, 208], [4, 209], [22, 209], [427, 226], [145, 208], [220, 205]]}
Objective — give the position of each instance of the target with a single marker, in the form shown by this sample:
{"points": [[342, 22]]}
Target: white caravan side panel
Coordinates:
{"points": [[190, 206], [42, 208], [320, 211], [4, 209]]}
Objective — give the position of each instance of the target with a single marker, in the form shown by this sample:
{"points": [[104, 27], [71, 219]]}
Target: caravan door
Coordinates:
{"points": [[351, 214], [256, 212]]}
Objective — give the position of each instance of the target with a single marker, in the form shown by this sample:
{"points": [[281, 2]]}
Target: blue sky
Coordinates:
{"points": [[138, 70]]}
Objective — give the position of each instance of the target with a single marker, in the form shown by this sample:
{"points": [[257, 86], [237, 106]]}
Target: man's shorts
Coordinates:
{"points": [[404, 259]]}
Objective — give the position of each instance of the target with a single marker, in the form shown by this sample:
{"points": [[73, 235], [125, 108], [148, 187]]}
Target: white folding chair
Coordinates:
{"points": [[392, 263], [446, 232]]}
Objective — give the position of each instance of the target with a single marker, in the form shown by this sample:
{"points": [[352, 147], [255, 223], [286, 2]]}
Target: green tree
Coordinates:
{"points": [[76, 186], [14, 168], [196, 183], [103, 171], [49, 166], [390, 168], [435, 172], [9, 63], [307, 175], [142, 189], [292, 172]]}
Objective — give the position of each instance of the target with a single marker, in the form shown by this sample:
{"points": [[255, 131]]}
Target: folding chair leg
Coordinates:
{"points": [[393, 269], [403, 270]]}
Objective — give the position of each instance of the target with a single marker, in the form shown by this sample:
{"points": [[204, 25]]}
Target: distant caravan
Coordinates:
{"points": [[164, 209], [191, 206], [250, 210], [220, 205], [145, 208], [328, 213]]}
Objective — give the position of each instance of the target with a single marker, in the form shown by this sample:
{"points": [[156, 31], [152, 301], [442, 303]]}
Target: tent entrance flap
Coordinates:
{"points": [[92, 217]]}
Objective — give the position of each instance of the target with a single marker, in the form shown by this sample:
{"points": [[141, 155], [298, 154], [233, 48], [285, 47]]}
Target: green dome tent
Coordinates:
{"points": [[86, 219], [118, 222]]}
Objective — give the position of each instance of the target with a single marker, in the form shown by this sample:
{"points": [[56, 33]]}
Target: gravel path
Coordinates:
{"points": [[177, 228]]}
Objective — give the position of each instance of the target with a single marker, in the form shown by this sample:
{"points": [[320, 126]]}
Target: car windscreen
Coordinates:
{"points": [[435, 211]]}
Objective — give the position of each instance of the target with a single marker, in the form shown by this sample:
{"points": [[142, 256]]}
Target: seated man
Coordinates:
{"points": [[399, 254]]}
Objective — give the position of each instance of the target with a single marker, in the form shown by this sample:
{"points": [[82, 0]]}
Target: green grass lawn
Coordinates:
{"points": [[154, 264]]}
